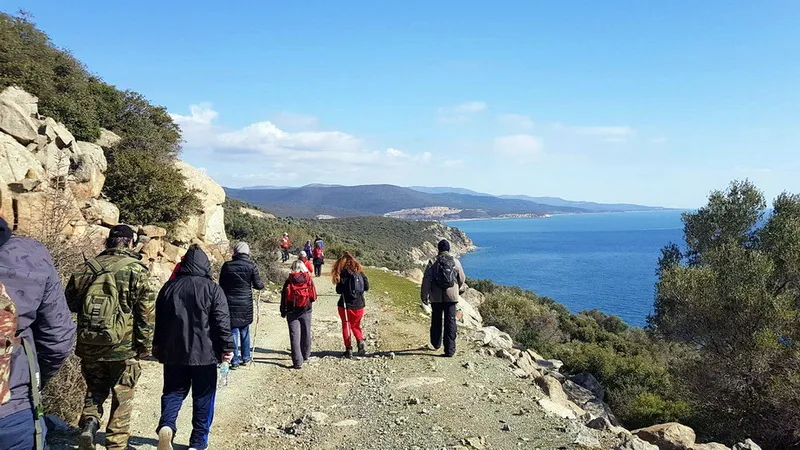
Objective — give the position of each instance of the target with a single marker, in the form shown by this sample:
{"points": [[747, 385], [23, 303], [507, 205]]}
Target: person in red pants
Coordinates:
{"points": [[351, 283]]}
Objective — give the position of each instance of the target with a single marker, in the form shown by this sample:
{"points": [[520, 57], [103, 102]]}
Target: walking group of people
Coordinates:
{"points": [[312, 254], [190, 326]]}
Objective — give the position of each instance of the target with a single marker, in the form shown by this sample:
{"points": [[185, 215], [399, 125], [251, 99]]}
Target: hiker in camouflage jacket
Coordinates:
{"points": [[114, 369]]}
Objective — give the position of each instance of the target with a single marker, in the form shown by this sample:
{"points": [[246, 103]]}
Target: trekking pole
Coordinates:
{"points": [[255, 335]]}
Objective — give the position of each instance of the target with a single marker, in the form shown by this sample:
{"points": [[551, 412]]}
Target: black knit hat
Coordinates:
{"points": [[121, 231], [444, 246]]}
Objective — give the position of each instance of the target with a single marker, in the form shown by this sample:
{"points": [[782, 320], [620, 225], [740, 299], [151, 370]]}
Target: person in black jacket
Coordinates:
{"points": [[238, 278], [192, 336], [351, 283]]}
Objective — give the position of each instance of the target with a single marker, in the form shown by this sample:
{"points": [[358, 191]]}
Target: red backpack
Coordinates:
{"points": [[317, 253], [300, 291]]}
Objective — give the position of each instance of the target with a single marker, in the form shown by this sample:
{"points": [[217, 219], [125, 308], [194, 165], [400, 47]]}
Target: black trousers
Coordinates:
{"points": [[443, 326], [300, 336]]}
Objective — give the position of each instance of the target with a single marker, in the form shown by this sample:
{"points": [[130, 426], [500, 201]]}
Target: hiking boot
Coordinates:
{"points": [[165, 435], [362, 348], [88, 433], [234, 366], [348, 353], [245, 363]]}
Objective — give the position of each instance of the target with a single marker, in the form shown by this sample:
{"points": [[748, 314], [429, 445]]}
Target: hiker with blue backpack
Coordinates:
{"points": [[351, 283], [441, 286], [297, 297]]}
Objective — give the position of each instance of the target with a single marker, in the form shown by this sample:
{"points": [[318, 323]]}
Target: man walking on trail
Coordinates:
{"points": [[286, 245], [36, 336], [237, 279], [114, 300], [193, 335], [441, 284]]}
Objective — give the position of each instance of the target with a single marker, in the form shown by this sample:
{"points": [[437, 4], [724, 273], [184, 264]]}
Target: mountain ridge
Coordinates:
{"points": [[416, 202]]}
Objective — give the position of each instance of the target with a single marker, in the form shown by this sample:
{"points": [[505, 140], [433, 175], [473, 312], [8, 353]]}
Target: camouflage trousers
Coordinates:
{"points": [[117, 378]]}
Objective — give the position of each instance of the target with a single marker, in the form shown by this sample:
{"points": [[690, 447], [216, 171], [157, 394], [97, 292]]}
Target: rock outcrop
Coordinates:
{"points": [[52, 184]]}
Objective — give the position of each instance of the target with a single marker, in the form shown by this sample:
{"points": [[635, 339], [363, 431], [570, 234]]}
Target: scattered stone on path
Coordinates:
{"points": [[346, 423], [417, 382], [318, 417], [746, 445]]}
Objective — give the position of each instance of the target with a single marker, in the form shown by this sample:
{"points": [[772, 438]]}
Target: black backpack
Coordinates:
{"points": [[355, 285], [444, 272]]}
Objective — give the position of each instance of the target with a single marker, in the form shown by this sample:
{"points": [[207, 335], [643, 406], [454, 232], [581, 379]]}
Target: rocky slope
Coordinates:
{"points": [[52, 185]]}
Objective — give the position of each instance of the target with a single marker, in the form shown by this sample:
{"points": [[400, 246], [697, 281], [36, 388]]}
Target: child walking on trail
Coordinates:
{"points": [[297, 298], [351, 283]]}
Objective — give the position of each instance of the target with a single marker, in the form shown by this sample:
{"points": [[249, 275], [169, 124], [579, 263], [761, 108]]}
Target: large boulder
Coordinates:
{"points": [[16, 122], [668, 436], [57, 132], [589, 402], [107, 139], [634, 443], [54, 160], [473, 296], [588, 381], [28, 103], [492, 337], [552, 388], [46, 211], [746, 445], [468, 316], [100, 212], [16, 162], [88, 166], [210, 223], [711, 446]]}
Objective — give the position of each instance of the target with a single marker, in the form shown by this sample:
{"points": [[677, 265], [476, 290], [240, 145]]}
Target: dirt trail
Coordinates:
{"points": [[400, 396]]}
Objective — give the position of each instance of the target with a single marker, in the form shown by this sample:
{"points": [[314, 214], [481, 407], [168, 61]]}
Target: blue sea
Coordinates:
{"points": [[587, 261]]}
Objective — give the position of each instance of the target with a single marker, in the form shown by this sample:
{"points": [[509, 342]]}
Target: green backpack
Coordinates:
{"points": [[101, 320]]}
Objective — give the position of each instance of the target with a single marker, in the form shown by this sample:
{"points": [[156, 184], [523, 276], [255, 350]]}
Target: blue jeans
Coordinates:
{"points": [[16, 431], [241, 343], [178, 380]]}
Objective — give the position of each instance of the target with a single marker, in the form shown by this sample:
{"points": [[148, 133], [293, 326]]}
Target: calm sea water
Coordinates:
{"points": [[603, 261]]}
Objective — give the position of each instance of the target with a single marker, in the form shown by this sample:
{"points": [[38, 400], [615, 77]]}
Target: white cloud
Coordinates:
{"points": [[461, 113], [296, 122], [524, 148], [515, 122], [606, 133], [272, 146]]}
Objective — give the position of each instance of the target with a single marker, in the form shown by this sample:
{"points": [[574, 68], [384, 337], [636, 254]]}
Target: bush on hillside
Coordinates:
{"points": [[633, 368], [149, 191], [733, 296]]}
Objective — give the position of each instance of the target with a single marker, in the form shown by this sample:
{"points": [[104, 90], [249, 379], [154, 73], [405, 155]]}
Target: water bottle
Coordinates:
{"points": [[224, 370]]}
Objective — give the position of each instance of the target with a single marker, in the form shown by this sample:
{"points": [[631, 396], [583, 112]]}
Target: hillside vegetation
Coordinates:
{"points": [[375, 241], [720, 352], [140, 180]]}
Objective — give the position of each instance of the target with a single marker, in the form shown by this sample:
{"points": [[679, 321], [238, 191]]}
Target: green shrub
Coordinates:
{"points": [[141, 179]]}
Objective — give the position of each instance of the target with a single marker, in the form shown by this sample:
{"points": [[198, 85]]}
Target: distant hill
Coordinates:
{"points": [[381, 199], [590, 206], [448, 190]]}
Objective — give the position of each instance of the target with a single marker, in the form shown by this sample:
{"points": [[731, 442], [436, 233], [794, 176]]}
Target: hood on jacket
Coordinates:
{"points": [[299, 277], [195, 263], [5, 232]]}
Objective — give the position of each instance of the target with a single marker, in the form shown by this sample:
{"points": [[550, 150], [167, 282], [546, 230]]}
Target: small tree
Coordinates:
{"points": [[733, 296]]}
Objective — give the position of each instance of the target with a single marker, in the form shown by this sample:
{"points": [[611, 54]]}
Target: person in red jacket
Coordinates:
{"points": [[286, 244], [304, 258], [296, 303]]}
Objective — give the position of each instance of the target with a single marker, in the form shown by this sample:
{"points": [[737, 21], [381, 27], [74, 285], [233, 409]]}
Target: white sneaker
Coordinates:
{"points": [[165, 435]]}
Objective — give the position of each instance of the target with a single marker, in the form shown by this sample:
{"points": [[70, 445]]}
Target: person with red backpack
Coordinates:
{"points": [[304, 257], [318, 256], [297, 298], [351, 283]]}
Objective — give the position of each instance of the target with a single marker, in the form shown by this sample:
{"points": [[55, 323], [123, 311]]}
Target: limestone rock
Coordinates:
{"points": [[209, 223], [588, 401], [634, 443], [173, 253], [555, 409], [15, 121], [469, 316], [209, 192], [151, 249], [418, 381], [552, 388], [54, 160], [61, 136], [107, 138], [214, 231], [473, 296], [97, 235], [746, 445], [256, 213], [28, 103], [153, 231], [668, 436], [101, 211], [16, 162], [415, 275], [37, 211], [711, 446], [492, 337], [588, 381], [525, 362], [87, 158]]}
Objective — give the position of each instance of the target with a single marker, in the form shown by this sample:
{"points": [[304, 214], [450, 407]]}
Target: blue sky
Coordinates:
{"points": [[647, 102]]}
